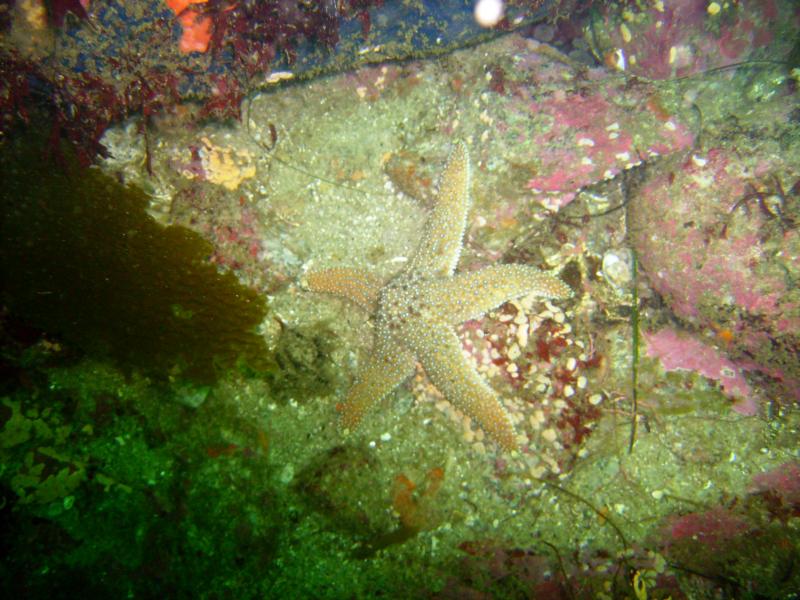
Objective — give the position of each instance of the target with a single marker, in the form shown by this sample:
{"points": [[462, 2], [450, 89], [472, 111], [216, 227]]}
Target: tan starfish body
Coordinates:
{"points": [[415, 312]]}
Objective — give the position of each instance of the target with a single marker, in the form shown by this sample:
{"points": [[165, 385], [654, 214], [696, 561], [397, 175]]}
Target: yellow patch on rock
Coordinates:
{"points": [[227, 167]]}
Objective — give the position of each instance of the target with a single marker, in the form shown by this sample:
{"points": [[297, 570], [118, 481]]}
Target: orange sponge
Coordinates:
{"points": [[196, 27]]}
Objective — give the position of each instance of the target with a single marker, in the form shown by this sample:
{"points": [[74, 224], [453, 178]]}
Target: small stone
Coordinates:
{"points": [[617, 267], [626, 33], [287, 474], [522, 335]]}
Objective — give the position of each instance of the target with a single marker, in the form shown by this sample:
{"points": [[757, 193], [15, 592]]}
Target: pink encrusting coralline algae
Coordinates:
{"points": [[558, 132], [780, 490], [711, 528], [660, 40], [678, 351], [583, 139], [723, 258]]}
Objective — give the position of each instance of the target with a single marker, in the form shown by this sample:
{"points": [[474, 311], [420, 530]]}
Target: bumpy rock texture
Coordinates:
{"points": [[717, 233]]}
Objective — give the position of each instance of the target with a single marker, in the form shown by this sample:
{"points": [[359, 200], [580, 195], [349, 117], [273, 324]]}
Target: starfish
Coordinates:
{"points": [[415, 312]]}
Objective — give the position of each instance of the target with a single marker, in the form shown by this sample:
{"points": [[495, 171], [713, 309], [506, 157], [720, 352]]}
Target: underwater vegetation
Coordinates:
{"points": [[111, 488], [114, 59], [82, 259]]}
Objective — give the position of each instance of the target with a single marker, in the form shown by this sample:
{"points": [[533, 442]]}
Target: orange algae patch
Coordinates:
{"points": [[221, 450], [723, 334], [655, 106], [416, 510], [196, 27]]}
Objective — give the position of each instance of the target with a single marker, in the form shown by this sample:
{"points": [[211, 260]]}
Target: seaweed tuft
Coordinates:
{"points": [[82, 259]]}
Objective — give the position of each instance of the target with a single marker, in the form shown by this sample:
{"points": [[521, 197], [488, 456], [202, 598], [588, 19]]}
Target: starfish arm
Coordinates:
{"points": [[352, 284], [440, 245], [439, 350], [469, 295], [385, 371]]}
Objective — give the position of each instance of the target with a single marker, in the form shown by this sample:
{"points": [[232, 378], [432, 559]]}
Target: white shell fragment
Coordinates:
{"points": [[617, 267]]}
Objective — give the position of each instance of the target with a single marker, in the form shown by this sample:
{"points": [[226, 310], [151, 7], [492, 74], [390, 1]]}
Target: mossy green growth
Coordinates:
{"points": [[81, 258]]}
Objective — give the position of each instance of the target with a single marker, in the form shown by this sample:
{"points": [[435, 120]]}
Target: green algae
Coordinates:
{"points": [[133, 490], [82, 259]]}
